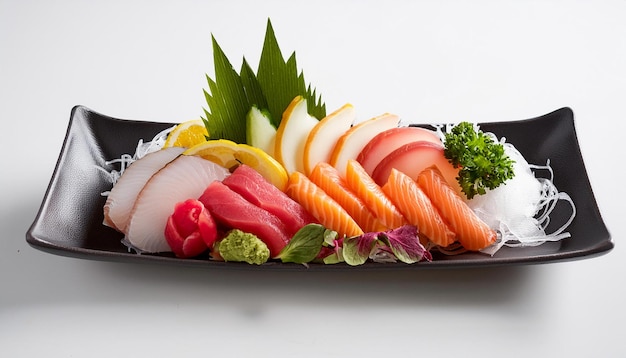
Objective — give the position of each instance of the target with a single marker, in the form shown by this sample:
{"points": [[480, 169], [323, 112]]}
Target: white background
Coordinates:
{"points": [[426, 61]]}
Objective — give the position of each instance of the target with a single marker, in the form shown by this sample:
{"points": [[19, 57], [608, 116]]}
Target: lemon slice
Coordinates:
{"points": [[187, 134], [230, 154]]}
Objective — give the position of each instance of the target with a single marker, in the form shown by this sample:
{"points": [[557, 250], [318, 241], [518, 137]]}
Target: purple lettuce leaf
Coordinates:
{"points": [[356, 250], [405, 244]]}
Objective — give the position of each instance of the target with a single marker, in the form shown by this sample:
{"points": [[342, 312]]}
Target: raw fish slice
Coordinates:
{"points": [[326, 131], [373, 196], [387, 141], [328, 179], [248, 183], [471, 231], [184, 178], [121, 199], [352, 142], [233, 211], [417, 208], [414, 157], [324, 208]]}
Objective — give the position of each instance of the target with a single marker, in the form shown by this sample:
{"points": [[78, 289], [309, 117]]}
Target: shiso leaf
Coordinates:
{"points": [[305, 244]]}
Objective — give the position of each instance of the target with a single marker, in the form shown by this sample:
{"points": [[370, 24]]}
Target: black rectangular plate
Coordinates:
{"points": [[69, 221]]}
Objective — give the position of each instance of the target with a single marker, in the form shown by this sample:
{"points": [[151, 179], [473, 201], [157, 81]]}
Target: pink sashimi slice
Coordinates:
{"points": [[121, 199], [387, 141], [183, 178], [233, 211], [248, 183], [414, 157]]}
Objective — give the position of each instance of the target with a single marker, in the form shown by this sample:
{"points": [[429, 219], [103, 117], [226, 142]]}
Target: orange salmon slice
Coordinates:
{"points": [[328, 179], [373, 196], [319, 204], [471, 231], [417, 208]]}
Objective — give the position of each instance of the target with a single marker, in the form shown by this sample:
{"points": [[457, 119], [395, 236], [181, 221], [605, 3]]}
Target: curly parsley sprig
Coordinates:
{"points": [[483, 162]]}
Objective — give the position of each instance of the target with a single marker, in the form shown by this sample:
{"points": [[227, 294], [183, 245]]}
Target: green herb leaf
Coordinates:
{"points": [[231, 95], [227, 101], [281, 82], [252, 86], [305, 244], [334, 258], [330, 236], [483, 162], [315, 105], [357, 249]]}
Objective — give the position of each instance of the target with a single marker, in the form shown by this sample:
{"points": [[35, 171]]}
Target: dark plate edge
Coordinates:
{"points": [[32, 240], [106, 256]]}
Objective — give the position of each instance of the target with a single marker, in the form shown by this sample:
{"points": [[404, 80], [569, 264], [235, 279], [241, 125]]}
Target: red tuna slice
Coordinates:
{"points": [[232, 210], [248, 183]]}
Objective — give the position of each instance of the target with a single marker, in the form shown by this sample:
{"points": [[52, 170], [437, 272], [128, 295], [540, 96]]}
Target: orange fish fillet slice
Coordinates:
{"points": [[328, 179], [471, 231], [373, 196], [319, 204], [417, 208]]}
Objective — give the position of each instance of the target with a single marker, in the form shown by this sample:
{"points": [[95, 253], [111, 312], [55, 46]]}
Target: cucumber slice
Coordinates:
{"points": [[260, 132]]}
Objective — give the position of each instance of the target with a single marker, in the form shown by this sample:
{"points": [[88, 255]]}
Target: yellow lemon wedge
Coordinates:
{"points": [[187, 134], [230, 154]]}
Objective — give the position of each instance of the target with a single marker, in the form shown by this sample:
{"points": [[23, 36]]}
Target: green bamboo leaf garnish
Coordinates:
{"points": [[231, 95], [227, 101], [281, 82], [252, 86]]}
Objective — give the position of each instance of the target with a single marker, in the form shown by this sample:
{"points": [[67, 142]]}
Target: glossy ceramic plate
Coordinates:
{"points": [[69, 222]]}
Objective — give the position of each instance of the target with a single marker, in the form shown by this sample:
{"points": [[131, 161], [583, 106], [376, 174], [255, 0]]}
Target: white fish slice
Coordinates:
{"points": [[121, 199], [186, 177]]}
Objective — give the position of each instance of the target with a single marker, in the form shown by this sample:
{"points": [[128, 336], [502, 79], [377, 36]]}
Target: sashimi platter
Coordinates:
{"points": [[268, 178]]}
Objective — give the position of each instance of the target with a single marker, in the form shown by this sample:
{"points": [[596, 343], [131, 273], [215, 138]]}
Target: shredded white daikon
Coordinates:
{"points": [[125, 160], [519, 210]]}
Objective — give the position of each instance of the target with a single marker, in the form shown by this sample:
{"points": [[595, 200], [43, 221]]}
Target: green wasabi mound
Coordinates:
{"points": [[240, 246]]}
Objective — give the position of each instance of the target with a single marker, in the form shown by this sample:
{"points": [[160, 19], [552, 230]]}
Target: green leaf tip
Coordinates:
{"points": [[277, 82], [227, 100]]}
